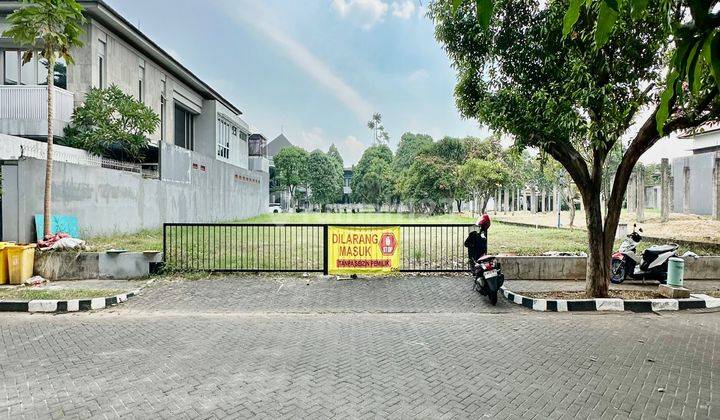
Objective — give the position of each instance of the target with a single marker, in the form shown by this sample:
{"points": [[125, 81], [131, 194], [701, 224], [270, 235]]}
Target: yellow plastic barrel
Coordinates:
{"points": [[20, 260], [3, 262]]}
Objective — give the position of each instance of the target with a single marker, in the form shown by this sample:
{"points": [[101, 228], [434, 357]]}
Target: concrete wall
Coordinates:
{"points": [[69, 265], [698, 199], [573, 268], [108, 201]]}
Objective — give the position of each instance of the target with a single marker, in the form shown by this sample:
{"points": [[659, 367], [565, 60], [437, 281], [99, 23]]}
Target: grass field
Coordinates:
{"points": [[279, 246], [26, 293]]}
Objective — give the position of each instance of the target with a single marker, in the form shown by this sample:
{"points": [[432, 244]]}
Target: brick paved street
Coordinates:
{"points": [[411, 347]]}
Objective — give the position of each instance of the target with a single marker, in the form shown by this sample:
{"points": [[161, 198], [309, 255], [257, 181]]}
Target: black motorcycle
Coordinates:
{"points": [[486, 269]]}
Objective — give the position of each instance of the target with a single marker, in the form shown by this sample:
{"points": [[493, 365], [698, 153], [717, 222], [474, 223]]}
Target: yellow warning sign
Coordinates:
{"points": [[363, 249]]}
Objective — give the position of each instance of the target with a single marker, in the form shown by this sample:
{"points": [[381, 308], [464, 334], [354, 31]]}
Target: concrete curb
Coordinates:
{"points": [[696, 301], [71, 305]]}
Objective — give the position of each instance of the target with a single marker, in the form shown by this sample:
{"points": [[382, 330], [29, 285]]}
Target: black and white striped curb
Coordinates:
{"points": [[696, 301], [71, 305]]}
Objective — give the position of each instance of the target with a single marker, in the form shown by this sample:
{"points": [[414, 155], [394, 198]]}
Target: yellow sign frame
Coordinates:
{"points": [[374, 250]]}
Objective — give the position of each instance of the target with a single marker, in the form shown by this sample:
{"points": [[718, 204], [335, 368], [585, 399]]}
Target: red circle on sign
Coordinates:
{"points": [[388, 243]]}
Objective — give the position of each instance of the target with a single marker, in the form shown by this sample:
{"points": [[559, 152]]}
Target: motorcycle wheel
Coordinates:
{"points": [[493, 298], [617, 271]]}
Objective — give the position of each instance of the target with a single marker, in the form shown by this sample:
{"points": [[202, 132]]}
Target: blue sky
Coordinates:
{"points": [[317, 69]]}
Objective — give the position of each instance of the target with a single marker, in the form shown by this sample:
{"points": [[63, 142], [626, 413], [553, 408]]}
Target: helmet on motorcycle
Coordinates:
{"points": [[483, 222]]}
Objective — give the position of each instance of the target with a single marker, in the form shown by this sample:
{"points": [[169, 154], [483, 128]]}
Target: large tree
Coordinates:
{"points": [[325, 179], [520, 75], [291, 170], [483, 177], [372, 180], [50, 28]]}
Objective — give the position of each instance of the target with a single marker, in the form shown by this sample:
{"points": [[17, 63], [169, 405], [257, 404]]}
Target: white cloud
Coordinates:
{"points": [[253, 14], [351, 150], [418, 75], [403, 10], [366, 12], [313, 139]]}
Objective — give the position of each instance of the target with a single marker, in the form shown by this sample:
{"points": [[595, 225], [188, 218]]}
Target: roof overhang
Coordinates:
{"points": [[107, 16]]}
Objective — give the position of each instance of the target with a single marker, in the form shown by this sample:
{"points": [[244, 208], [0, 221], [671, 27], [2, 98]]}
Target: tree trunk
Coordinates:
{"points": [[571, 205], [484, 203], [597, 277], [459, 204], [47, 208]]}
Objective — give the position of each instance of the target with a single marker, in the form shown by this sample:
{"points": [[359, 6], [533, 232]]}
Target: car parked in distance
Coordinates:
{"points": [[274, 208]]}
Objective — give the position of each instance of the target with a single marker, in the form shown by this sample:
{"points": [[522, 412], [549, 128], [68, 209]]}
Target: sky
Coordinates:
{"points": [[316, 70]]}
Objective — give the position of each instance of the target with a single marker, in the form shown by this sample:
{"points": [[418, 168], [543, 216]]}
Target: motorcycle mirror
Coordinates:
{"points": [[634, 225]]}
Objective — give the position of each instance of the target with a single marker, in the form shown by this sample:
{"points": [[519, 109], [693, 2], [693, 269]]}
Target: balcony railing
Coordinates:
{"points": [[24, 110]]}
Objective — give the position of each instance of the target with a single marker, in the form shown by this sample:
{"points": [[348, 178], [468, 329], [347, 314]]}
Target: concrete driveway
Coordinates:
{"points": [[411, 347]]}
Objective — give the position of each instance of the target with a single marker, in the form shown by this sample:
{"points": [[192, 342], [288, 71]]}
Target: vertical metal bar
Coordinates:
{"points": [[325, 250]]}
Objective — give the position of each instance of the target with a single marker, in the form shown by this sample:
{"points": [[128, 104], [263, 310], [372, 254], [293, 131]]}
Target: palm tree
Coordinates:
{"points": [[52, 27]]}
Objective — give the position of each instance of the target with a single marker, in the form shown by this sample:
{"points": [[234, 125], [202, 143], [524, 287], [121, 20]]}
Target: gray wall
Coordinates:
{"points": [[108, 201], [700, 194]]}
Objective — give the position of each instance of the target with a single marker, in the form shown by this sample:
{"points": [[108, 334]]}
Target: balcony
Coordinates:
{"points": [[24, 110]]}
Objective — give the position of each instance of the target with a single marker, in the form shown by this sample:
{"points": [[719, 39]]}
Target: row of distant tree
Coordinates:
{"points": [[317, 174], [430, 176]]}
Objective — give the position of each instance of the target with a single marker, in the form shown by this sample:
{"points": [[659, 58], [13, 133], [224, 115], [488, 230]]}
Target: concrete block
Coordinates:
{"points": [[664, 305], [97, 303], [42, 306], [674, 292], [609, 305], [73, 305], [540, 305], [127, 265]]}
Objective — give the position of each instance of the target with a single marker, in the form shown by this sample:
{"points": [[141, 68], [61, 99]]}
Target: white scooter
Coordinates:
{"points": [[652, 265]]}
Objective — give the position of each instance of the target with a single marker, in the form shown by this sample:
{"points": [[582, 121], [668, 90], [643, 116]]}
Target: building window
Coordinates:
{"points": [[102, 52], [12, 68], [141, 82], [224, 131], [163, 109], [184, 128], [33, 72]]}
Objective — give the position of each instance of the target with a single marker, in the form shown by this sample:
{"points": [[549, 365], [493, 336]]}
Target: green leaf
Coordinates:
{"points": [[456, 5], [712, 55], [613, 4], [664, 110], [692, 66], [638, 7], [605, 23], [571, 16], [485, 12]]}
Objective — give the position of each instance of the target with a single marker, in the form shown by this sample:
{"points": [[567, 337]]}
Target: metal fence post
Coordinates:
{"points": [[325, 250], [164, 257]]}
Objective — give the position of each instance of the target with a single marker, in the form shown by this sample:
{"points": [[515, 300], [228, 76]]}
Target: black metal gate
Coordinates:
{"points": [[234, 247]]}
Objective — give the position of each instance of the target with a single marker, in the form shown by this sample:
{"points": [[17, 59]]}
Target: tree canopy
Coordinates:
{"points": [[291, 168], [325, 178], [520, 75], [372, 180]]}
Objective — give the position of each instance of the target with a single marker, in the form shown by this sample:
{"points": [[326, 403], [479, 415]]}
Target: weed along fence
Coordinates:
{"points": [[341, 248]]}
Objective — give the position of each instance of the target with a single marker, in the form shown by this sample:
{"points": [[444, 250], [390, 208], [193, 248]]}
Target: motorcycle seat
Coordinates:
{"points": [[659, 249], [486, 258]]}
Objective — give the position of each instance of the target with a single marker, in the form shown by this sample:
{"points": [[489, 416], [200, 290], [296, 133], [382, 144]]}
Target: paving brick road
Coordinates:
{"points": [[403, 348]]}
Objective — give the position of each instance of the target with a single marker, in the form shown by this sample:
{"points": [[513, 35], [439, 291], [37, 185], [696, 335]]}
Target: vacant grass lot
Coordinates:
{"points": [[300, 248]]}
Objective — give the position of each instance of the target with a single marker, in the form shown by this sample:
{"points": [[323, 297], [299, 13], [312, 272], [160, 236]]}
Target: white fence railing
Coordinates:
{"points": [[39, 151], [30, 103]]}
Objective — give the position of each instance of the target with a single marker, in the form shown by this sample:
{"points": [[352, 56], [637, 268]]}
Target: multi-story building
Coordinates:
{"points": [[200, 146]]}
